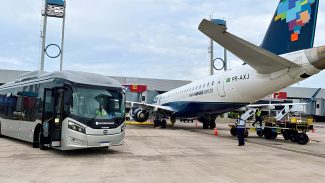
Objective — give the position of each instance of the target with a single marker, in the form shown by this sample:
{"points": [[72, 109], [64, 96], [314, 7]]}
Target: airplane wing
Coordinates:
{"points": [[258, 58], [151, 107]]}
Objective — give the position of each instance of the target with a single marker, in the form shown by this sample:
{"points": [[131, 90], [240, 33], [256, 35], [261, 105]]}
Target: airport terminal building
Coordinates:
{"points": [[157, 86]]}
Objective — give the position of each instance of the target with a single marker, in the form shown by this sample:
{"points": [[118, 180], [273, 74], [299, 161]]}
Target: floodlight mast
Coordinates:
{"points": [[62, 41], [211, 49], [211, 52], [55, 9], [43, 36]]}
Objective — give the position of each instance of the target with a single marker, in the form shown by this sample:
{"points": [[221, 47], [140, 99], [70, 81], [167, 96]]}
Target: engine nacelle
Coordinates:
{"points": [[140, 115]]}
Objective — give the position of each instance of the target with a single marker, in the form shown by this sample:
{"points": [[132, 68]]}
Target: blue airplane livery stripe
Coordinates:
{"points": [[194, 109]]}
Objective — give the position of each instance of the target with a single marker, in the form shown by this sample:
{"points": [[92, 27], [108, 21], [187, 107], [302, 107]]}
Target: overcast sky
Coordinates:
{"points": [[136, 38]]}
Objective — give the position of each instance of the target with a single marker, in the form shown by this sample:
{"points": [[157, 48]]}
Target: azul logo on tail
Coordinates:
{"points": [[296, 14], [293, 27]]}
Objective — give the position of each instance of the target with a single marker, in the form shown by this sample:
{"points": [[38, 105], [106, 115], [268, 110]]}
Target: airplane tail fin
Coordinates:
{"points": [[292, 27]]}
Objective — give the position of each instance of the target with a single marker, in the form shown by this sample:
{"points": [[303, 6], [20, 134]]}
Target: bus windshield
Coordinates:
{"points": [[97, 104]]}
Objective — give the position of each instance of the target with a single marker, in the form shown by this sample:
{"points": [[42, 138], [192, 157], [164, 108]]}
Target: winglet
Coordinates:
{"points": [[312, 99]]}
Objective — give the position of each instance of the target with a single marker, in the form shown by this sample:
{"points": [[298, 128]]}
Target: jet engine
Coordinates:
{"points": [[140, 115]]}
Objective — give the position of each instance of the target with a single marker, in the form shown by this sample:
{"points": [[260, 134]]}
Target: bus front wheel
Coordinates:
{"points": [[36, 138], [40, 145], [0, 130]]}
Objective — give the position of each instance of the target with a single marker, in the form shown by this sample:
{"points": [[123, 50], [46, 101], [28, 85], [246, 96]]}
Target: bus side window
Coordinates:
{"points": [[39, 102], [48, 107], [10, 104], [68, 100], [2, 104]]}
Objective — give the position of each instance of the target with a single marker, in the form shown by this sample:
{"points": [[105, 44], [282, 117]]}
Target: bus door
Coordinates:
{"points": [[52, 117]]}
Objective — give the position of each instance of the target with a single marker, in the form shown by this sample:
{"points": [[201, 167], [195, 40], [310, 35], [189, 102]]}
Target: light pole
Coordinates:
{"points": [[219, 22], [55, 9]]}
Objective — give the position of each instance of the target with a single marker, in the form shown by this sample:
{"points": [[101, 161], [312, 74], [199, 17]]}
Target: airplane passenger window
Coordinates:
{"points": [[212, 83], [208, 84]]}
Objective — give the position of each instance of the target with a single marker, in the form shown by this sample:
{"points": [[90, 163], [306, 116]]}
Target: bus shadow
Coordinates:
{"points": [[77, 153], [17, 141], [90, 152]]}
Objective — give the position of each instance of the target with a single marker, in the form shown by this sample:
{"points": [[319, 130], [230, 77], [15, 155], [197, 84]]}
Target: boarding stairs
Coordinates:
{"points": [[248, 114], [283, 113]]}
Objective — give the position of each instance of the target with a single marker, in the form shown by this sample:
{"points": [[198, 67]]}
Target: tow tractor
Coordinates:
{"points": [[292, 126]]}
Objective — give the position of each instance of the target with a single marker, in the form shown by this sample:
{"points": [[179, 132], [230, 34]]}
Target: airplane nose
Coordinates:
{"points": [[317, 57]]}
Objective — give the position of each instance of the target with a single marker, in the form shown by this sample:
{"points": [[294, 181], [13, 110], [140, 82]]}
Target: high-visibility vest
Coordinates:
{"points": [[101, 113], [258, 112]]}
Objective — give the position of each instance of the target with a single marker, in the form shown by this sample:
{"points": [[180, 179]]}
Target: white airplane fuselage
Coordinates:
{"points": [[241, 86]]}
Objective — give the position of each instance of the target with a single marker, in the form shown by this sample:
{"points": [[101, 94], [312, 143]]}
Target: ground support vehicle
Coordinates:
{"points": [[293, 127]]}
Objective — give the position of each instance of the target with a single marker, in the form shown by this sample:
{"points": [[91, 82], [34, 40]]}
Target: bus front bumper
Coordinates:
{"points": [[81, 141]]}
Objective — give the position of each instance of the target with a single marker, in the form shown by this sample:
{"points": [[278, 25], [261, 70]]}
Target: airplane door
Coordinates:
{"points": [[52, 117], [318, 108], [221, 86]]}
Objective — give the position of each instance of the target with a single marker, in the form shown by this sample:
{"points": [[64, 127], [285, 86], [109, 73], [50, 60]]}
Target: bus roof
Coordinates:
{"points": [[73, 76]]}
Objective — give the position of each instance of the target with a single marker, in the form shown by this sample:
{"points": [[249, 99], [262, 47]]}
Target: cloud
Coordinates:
{"points": [[140, 38]]}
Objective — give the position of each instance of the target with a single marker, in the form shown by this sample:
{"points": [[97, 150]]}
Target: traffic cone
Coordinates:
{"points": [[215, 131]]}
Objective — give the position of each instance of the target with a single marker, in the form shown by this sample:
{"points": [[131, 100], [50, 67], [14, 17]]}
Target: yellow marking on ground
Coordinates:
{"points": [[138, 123]]}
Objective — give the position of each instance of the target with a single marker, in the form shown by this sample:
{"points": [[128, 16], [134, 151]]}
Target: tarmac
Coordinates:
{"points": [[184, 153]]}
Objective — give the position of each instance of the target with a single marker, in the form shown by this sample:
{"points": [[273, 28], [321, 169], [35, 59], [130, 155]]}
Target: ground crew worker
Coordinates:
{"points": [[240, 132], [101, 111], [258, 117]]}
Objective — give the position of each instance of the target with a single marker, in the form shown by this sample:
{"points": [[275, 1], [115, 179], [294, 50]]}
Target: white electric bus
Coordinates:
{"points": [[63, 110]]}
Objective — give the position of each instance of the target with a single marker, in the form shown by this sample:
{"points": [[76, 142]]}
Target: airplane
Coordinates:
{"points": [[285, 57]]}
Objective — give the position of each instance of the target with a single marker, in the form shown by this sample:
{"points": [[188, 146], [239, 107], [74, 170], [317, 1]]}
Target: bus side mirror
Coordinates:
{"points": [[143, 98]]}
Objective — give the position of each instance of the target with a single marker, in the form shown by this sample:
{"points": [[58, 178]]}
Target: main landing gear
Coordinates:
{"points": [[208, 122], [162, 123]]}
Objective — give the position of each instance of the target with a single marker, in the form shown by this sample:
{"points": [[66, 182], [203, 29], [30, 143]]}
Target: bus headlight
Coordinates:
{"points": [[123, 127], [75, 127]]}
